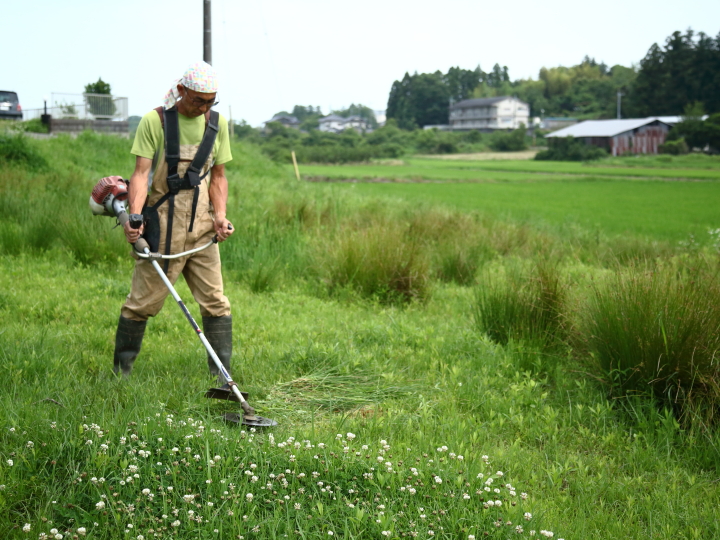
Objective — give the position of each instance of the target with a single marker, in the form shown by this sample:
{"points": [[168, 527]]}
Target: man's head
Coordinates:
{"points": [[195, 92], [193, 103]]}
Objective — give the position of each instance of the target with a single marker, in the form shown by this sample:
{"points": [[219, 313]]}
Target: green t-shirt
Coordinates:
{"points": [[150, 136]]}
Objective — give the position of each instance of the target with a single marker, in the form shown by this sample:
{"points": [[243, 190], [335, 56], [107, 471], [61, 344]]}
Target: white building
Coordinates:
{"points": [[503, 112], [336, 124]]}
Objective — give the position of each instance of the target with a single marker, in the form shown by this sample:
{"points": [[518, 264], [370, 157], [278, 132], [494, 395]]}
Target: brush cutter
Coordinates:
{"points": [[108, 198]]}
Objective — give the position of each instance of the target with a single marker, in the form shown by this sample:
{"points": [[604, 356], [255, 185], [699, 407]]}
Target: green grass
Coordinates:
{"points": [[660, 210], [520, 170], [419, 375]]}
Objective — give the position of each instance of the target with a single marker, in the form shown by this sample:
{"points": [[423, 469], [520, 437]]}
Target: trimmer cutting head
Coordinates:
{"points": [[252, 421]]}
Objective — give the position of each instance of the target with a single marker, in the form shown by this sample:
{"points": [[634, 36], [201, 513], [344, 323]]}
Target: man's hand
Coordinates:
{"points": [[131, 234], [223, 228]]}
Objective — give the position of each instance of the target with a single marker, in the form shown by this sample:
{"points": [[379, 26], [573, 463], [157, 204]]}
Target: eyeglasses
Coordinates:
{"points": [[203, 102]]}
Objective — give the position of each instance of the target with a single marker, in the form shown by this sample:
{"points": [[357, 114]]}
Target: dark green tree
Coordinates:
{"points": [[419, 100], [685, 70]]}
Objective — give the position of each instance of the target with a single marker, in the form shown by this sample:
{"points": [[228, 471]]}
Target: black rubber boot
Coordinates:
{"points": [[128, 340], [218, 331]]}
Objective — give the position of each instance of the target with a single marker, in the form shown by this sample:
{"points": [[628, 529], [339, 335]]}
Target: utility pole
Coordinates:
{"points": [[619, 95], [207, 33]]}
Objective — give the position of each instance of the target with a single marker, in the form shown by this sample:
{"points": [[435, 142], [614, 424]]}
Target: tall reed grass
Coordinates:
{"points": [[523, 303], [378, 261], [657, 331]]}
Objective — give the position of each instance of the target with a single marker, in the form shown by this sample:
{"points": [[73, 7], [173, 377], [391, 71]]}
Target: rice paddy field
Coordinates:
{"points": [[668, 200], [537, 363]]}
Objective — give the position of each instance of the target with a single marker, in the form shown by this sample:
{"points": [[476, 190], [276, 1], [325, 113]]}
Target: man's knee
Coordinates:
{"points": [[140, 313], [215, 307]]}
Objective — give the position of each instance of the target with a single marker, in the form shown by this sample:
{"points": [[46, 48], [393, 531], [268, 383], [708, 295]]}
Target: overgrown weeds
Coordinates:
{"points": [[656, 331], [15, 148]]}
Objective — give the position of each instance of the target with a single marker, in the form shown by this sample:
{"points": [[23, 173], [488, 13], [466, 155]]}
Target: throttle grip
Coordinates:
{"points": [[215, 238]]}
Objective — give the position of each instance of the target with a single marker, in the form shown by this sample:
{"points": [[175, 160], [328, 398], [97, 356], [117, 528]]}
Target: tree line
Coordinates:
{"points": [[684, 71]]}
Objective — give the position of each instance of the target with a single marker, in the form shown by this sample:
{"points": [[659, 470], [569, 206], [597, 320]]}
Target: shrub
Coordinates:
{"points": [[509, 141], [570, 149], [523, 305], [656, 332], [675, 148], [378, 261]]}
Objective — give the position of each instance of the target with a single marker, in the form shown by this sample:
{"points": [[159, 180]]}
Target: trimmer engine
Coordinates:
{"points": [[108, 196]]}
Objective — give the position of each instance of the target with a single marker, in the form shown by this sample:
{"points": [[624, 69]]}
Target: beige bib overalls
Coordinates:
{"points": [[200, 270]]}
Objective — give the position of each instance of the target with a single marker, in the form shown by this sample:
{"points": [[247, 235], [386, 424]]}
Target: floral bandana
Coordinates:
{"points": [[200, 77]]}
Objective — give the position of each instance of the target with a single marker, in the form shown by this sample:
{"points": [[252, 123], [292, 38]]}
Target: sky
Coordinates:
{"points": [[274, 54]]}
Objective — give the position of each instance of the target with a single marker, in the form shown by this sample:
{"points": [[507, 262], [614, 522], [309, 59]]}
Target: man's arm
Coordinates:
{"points": [[137, 195], [218, 196]]}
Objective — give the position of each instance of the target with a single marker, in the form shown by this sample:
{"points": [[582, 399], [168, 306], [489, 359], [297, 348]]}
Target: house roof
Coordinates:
{"points": [[286, 117], [479, 102], [332, 118], [602, 128]]}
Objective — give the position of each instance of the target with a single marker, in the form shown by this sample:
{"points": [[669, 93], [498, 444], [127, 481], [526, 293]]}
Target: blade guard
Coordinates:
{"points": [[105, 192]]}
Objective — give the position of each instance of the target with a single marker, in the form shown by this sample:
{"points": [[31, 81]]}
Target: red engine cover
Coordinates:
{"points": [[110, 185]]}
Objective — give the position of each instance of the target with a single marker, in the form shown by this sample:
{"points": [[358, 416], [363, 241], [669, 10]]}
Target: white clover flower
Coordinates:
{"points": [[438, 480], [466, 496], [431, 533], [81, 531], [524, 496], [30, 444], [547, 534], [146, 491], [498, 503], [499, 473], [249, 497], [58, 536], [519, 529], [140, 537], [10, 462], [129, 525], [380, 459], [297, 506], [210, 503], [175, 523], [53, 531], [491, 503], [527, 516], [26, 527], [88, 442], [100, 505], [471, 537], [330, 533], [188, 498], [364, 447]]}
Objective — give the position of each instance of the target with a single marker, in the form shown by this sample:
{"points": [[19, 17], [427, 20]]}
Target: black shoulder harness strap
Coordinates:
{"points": [[192, 178]]}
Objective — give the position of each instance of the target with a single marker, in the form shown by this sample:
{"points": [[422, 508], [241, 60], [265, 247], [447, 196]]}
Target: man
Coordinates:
{"points": [[183, 198]]}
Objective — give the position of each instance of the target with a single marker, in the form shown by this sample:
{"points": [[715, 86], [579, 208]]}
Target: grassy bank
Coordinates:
{"points": [[357, 323]]}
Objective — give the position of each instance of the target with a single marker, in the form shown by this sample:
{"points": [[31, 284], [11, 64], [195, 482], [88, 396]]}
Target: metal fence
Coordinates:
{"points": [[83, 107]]}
